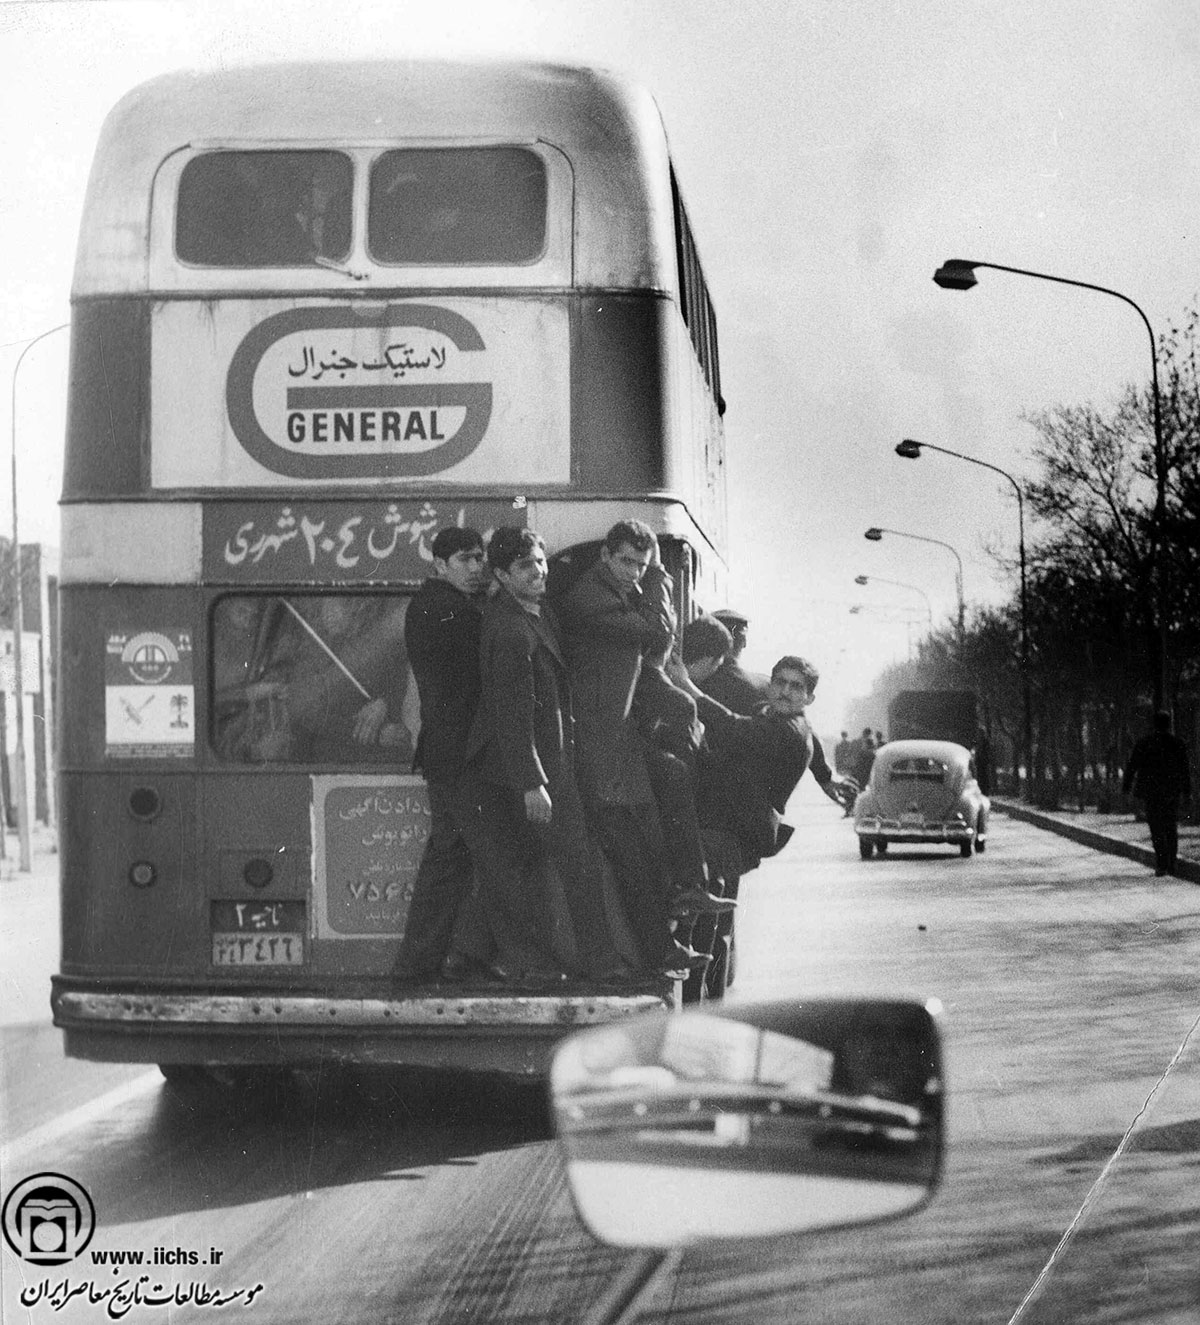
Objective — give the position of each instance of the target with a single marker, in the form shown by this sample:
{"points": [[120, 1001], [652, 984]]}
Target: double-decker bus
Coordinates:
{"points": [[319, 312]]}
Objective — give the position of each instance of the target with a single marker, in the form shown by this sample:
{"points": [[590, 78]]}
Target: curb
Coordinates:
{"points": [[1088, 837]]}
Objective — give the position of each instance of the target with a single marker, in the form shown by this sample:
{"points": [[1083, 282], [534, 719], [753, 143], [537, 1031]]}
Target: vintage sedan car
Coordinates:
{"points": [[921, 791]]}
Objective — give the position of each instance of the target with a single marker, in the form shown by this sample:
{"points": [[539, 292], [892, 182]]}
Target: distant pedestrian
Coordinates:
{"points": [[1159, 775], [864, 758], [843, 754]]}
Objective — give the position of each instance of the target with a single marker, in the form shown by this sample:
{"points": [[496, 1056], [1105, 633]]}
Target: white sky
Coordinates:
{"points": [[832, 153]]}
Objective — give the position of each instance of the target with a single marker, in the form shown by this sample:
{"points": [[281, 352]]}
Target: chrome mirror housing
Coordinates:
{"points": [[751, 1120]]}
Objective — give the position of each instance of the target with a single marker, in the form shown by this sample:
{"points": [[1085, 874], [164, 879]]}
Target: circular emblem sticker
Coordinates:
{"points": [[150, 657], [48, 1219]]}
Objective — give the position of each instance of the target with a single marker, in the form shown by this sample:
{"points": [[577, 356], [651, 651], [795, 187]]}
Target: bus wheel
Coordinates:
{"points": [[865, 847]]}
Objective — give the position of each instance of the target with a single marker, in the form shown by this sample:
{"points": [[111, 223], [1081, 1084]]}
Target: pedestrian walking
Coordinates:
{"points": [[1160, 776]]}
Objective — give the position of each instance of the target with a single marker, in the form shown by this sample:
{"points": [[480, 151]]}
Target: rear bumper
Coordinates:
{"points": [[471, 1031], [895, 831]]}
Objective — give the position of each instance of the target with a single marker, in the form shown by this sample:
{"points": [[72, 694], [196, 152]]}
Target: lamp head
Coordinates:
{"points": [[909, 449], [860, 579], [873, 535], [956, 274]]}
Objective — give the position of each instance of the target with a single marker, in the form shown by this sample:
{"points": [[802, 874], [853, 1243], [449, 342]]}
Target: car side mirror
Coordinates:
{"points": [[751, 1120]]}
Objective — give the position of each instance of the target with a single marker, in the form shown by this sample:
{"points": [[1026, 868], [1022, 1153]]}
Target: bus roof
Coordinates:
{"points": [[610, 130]]}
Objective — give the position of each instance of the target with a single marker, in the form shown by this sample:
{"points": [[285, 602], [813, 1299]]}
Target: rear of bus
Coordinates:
{"points": [[319, 313]]}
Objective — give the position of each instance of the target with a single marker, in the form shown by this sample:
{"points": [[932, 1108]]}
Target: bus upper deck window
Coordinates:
{"points": [[264, 209], [470, 205]]}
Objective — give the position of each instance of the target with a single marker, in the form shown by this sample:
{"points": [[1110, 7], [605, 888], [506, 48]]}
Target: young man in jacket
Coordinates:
{"points": [[441, 636], [521, 760]]}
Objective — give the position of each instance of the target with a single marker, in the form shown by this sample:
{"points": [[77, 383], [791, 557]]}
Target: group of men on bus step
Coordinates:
{"points": [[592, 807]]}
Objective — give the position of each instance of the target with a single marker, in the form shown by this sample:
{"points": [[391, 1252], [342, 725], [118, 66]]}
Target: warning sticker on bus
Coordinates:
{"points": [[369, 834], [149, 695]]}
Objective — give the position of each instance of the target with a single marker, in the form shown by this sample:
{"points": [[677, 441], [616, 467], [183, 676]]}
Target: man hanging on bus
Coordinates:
{"points": [[754, 762], [639, 796], [520, 756], [442, 932]]}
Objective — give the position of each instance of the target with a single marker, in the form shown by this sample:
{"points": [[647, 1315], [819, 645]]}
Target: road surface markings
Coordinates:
{"points": [[39, 1138], [1094, 1193]]}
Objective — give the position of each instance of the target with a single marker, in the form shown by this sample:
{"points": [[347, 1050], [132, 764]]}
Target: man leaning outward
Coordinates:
{"points": [[441, 637], [756, 761], [1159, 775]]}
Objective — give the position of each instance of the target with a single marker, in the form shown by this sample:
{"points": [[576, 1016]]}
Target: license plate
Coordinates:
{"points": [[910, 820], [258, 949]]}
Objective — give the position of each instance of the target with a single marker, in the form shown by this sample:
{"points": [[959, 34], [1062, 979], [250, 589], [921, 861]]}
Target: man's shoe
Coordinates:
{"points": [[695, 901], [529, 980], [458, 966], [682, 957]]}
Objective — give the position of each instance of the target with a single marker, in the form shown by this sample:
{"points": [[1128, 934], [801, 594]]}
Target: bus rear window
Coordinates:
{"points": [[264, 209], [468, 205], [312, 679]]}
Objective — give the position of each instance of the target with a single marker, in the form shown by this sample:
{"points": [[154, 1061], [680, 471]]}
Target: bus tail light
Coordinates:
{"points": [[258, 872], [145, 803]]}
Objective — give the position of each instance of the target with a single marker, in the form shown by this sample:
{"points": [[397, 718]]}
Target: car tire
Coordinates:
{"points": [[865, 847], [881, 845], [964, 850]]}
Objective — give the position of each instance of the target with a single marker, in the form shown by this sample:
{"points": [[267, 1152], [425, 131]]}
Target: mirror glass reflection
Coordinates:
{"points": [[751, 1120]]}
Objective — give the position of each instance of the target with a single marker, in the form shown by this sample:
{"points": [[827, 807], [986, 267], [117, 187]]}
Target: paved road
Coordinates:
{"points": [[1071, 983]]}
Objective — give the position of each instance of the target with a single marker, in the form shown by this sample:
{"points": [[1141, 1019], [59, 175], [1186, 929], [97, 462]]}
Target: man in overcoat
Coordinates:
{"points": [[521, 759], [620, 624], [1160, 775]]}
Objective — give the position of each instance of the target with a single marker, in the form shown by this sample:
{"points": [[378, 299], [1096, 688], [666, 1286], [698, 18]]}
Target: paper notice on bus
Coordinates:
{"points": [[369, 834], [149, 698]]}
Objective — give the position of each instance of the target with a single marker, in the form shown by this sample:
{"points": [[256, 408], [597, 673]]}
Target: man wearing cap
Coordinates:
{"points": [[442, 934], [731, 685]]}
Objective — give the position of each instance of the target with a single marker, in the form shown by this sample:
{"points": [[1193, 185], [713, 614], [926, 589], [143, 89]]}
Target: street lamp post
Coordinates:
{"points": [[959, 274], [911, 450], [898, 584], [25, 859], [876, 533]]}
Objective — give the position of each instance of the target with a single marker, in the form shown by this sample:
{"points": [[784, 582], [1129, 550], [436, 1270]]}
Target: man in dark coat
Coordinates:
{"points": [[738, 690], [1160, 775], [620, 624], [521, 759], [754, 761], [441, 637]]}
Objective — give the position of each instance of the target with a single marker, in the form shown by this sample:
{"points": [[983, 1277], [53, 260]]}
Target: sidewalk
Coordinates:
{"points": [[1118, 834]]}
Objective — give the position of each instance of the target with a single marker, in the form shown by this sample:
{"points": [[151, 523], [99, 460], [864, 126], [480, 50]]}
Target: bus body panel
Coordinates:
{"points": [[624, 374], [252, 447]]}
